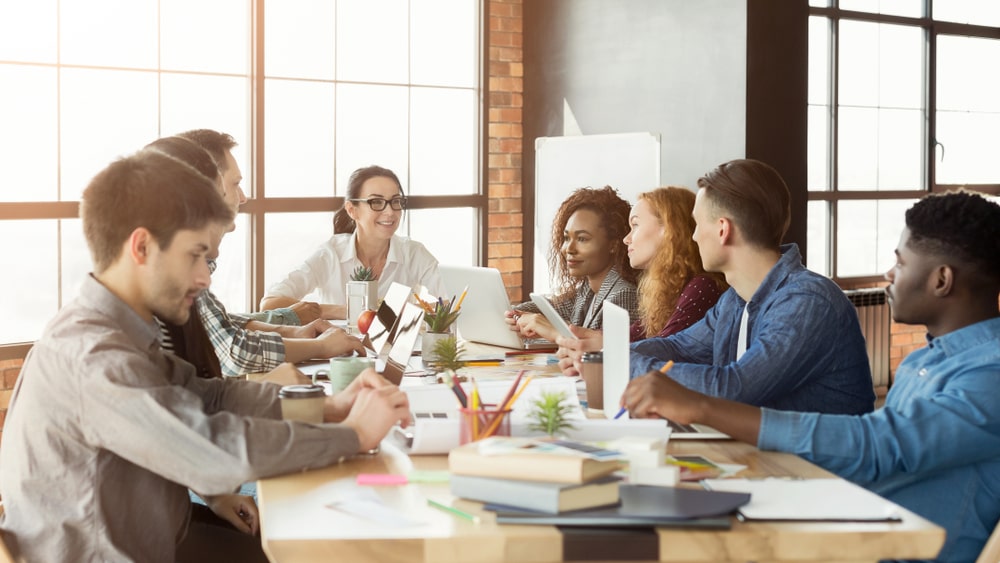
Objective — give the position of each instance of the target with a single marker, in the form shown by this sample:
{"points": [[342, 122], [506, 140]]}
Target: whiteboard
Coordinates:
{"points": [[628, 162]]}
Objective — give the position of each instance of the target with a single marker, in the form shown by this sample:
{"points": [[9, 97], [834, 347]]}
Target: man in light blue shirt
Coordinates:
{"points": [[781, 337], [934, 448]]}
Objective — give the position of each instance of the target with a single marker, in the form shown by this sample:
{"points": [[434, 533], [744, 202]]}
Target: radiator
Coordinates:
{"points": [[873, 314]]}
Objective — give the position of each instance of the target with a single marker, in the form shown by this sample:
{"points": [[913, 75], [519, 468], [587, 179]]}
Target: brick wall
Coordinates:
{"points": [[9, 370], [506, 86]]}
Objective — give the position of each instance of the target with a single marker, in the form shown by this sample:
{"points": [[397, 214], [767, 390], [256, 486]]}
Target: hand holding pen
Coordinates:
{"points": [[637, 395]]}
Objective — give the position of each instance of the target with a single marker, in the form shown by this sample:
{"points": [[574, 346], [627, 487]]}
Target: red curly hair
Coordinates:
{"points": [[676, 261], [613, 212]]}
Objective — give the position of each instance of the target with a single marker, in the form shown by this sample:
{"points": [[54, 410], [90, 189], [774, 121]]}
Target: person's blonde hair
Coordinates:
{"points": [[676, 260]]}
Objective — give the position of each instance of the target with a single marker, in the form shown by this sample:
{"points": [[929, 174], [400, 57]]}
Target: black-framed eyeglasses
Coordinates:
{"points": [[378, 203]]}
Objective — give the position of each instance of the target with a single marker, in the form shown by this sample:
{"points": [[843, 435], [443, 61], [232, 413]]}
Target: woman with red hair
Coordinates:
{"points": [[675, 291]]}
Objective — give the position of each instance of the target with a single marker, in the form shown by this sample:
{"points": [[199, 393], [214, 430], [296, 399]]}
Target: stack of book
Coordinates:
{"points": [[547, 477]]}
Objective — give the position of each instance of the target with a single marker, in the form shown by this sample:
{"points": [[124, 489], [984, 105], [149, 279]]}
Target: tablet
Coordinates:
{"points": [[550, 313]]}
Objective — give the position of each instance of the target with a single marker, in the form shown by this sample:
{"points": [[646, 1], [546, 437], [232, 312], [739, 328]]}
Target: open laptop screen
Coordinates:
{"points": [[482, 318]]}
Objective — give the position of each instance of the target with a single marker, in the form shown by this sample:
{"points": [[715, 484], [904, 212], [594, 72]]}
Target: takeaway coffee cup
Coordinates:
{"points": [[592, 370], [302, 402]]}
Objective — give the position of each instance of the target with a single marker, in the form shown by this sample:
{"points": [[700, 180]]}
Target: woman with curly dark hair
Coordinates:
{"points": [[674, 289], [590, 263]]}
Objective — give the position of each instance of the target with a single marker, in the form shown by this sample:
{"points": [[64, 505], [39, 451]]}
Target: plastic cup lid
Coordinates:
{"points": [[301, 391]]}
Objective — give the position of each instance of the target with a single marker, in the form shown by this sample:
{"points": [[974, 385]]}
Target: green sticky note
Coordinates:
{"points": [[418, 476]]}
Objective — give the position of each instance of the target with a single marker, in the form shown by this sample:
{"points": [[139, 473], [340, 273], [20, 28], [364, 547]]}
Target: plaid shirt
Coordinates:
{"points": [[240, 351], [585, 308]]}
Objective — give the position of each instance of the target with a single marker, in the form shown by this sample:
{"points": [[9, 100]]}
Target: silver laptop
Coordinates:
{"points": [[382, 331], [616, 351], [482, 314], [407, 330]]}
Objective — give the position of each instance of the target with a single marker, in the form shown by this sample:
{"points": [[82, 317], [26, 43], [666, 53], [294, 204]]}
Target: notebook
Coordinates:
{"points": [[482, 316], [641, 505], [820, 500], [616, 375]]}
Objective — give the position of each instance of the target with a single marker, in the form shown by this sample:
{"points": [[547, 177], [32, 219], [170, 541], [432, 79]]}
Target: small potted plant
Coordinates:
{"points": [[362, 293], [447, 355], [439, 316], [550, 413]]}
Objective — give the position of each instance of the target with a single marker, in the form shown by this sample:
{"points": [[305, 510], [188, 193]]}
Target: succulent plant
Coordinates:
{"points": [[448, 354], [363, 273], [549, 412], [438, 315]]}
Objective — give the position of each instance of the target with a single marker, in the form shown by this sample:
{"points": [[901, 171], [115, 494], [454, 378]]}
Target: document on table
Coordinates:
{"points": [[823, 500]]}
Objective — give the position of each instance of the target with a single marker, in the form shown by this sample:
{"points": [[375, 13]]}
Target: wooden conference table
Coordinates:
{"points": [[297, 527]]}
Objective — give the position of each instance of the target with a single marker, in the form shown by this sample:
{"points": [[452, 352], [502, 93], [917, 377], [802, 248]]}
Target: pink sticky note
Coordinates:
{"points": [[381, 479]]}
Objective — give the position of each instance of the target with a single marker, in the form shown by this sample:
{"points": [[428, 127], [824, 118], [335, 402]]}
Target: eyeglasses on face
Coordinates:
{"points": [[379, 203]]}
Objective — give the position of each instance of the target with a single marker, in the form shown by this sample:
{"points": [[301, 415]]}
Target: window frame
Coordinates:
{"points": [[260, 205], [932, 29]]}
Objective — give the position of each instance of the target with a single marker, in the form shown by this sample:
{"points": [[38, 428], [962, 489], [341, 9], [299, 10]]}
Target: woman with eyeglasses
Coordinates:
{"points": [[364, 236]]}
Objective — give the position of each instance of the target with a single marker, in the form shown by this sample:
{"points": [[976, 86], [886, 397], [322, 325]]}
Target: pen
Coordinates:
{"points": [[688, 464], [663, 369], [475, 411], [507, 402], [510, 404], [512, 390], [461, 298], [456, 388], [454, 511]]}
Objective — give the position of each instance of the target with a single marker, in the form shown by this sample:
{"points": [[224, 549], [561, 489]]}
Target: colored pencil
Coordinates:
{"points": [[454, 511]]}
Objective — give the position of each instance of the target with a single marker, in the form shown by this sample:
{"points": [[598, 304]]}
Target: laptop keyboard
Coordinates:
{"points": [[417, 415], [682, 428]]}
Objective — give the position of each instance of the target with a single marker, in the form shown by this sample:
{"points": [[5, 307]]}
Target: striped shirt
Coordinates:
{"points": [[585, 308], [240, 351]]}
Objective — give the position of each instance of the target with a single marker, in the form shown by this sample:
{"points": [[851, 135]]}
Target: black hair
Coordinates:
{"points": [[342, 222], [962, 225]]}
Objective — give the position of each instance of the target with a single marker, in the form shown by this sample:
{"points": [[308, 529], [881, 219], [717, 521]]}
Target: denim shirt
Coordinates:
{"points": [[805, 350], [934, 448]]}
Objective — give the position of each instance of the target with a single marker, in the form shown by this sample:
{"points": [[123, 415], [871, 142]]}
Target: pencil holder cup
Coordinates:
{"points": [[476, 424]]}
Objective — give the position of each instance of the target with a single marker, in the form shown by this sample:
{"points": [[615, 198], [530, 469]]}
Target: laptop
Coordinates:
{"points": [[407, 330], [482, 318], [381, 331], [616, 370]]}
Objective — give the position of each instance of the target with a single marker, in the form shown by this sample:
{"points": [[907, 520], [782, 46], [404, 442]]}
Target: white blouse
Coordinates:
{"points": [[329, 269]]}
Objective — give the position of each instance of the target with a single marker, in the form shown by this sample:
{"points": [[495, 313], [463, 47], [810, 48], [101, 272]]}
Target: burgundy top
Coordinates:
{"points": [[697, 297]]}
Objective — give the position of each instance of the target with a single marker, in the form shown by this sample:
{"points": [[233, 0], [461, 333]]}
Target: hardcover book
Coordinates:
{"points": [[549, 498], [528, 460]]}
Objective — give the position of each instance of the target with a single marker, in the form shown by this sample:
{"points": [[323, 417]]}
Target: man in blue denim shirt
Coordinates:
{"points": [[781, 336], [934, 448]]}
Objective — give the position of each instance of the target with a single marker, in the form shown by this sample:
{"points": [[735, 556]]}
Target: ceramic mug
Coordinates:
{"points": [[344, 370]]}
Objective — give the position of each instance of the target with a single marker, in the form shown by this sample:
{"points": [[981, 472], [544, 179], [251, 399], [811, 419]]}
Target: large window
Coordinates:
{"points": [[311, 89], [900, 104]]}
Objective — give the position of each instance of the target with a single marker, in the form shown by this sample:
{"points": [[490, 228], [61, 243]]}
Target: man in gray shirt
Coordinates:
{"points": [[105, 433]]}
